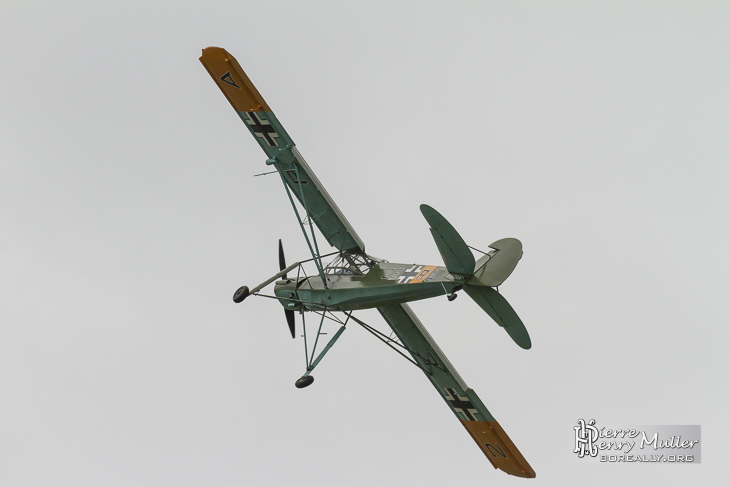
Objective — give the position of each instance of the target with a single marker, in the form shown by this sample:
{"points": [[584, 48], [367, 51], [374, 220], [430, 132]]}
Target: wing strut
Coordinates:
{"points": [[314, 250], [390, 342]]}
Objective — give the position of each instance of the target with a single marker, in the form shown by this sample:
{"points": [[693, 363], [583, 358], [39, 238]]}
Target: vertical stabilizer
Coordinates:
{"points": [[496, 266]]}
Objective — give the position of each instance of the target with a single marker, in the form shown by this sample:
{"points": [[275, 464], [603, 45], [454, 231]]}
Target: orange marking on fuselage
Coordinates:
{"points": [[425, 272]]}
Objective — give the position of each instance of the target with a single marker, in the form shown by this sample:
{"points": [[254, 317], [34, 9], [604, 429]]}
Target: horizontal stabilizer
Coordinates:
{"points": [[454, 251], [496, 266], [500, 310]]}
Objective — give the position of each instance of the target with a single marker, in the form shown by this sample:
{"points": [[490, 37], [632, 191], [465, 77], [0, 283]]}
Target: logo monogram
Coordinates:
{"points": [[585, 437]]}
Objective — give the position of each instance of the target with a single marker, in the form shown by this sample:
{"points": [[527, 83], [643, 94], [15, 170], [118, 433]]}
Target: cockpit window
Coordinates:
{"points": [[350, 264]]}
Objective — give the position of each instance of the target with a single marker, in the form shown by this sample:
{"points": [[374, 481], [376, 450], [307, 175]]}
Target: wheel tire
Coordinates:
{"points": [[303, 382], [240, 294]]}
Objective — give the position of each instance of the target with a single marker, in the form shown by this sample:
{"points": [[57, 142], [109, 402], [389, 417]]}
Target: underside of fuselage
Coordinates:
{"points": [[382, 283]]}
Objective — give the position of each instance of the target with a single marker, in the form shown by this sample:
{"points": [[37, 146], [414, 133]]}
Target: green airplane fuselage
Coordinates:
{"points": [[383, 284]]}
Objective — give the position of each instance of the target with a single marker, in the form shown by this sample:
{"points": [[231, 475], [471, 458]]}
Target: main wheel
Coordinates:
{"points": [[240, 294], [303, 382]]}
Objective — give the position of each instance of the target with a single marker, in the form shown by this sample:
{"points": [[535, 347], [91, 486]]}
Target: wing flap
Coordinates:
{"points": [[320, 206]]}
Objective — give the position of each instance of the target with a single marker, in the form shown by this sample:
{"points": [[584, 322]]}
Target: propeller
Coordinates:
{"points": [[290, 320], [282, 260], [289, 313]]}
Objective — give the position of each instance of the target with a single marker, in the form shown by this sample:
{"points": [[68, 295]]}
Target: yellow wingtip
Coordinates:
{"points": [[498, 448], [232, 80]]}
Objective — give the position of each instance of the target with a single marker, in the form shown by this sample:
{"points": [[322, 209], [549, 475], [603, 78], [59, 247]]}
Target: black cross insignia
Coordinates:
{"points": [[262, 129], [461, 404], [410, 274]]}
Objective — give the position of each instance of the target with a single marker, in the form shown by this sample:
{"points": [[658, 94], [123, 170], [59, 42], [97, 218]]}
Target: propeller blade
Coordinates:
{"points": [[282, 260], [290, 320], [288, 312]]}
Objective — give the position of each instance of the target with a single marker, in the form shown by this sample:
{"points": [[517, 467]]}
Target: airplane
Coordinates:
{"points": [[354, 280]]}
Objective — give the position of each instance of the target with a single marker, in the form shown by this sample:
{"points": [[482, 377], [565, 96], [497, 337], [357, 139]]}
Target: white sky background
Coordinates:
{"points": [[597, 133]]}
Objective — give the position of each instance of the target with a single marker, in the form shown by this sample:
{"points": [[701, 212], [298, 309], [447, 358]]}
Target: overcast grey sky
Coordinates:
{"points": [[595, 132]]}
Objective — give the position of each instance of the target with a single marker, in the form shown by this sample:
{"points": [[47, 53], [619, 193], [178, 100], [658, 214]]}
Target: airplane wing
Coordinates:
{"points": [[280, 149], [462, 400]]}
